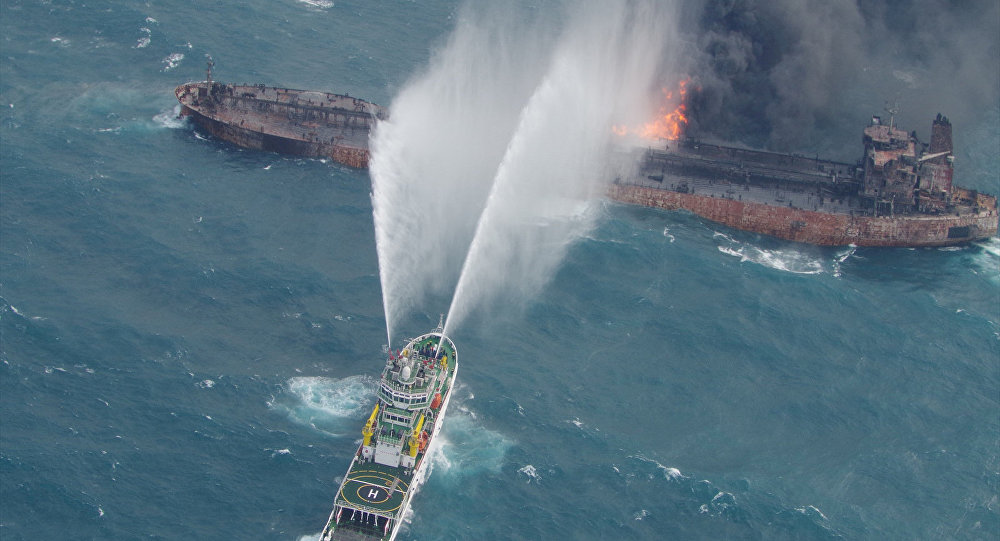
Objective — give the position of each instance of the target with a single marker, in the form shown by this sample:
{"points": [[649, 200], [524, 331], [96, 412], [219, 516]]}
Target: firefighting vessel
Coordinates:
{"points": [[415, 387], [300, 122]]}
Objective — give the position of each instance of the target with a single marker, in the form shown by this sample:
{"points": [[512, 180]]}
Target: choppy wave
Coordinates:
{"points": [[668, 472], [530, 473], [467, 447], [713, 501], [321, 4], [987, 260], [145, 39], [172, 60], [4, 306], [329, 405], [170, 118], [790, 259]]}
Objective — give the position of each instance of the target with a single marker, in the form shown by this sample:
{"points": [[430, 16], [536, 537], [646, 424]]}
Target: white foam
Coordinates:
{"points": [[322, 4], [142, 42], [841, 257], [206, 384], [530, 472], [990, 245], [347, 397], [170, 118], [668, 472], [784, 260], [466, 447], [987, 260], [811, 510], [641, 514], [171, 61], [666, 233]]}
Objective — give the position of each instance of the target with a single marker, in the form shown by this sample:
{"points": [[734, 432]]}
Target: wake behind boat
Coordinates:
{"points": [[413, 396]]}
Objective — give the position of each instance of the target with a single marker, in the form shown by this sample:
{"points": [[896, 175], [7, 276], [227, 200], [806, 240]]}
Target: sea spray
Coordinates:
{"points": [[434, 159], [602, 71], [506, 138]]}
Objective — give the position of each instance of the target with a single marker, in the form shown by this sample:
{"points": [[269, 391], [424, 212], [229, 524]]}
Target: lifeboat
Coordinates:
{"points": [[436, 403]]}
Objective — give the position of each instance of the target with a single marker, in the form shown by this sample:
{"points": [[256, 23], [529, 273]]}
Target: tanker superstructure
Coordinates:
{"points": [[899, 194], [414, 391], [300, 122]]}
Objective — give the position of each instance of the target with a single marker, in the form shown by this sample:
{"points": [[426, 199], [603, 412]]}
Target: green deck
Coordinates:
{"points": [[370, 485]]}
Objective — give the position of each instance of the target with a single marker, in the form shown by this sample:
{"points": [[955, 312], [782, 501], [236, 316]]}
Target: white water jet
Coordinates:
{"points": [[505, 139], [433, 160], [603, 71]]}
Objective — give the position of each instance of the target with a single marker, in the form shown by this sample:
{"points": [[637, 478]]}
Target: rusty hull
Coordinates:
{"points": [[821, 228], [287, 121]]}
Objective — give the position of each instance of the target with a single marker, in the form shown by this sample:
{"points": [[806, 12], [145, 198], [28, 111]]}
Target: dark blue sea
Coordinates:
{"points": [[190, 333]]}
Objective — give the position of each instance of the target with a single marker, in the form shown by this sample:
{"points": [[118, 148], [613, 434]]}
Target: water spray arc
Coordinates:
{"points": [[554, 166], [433, 159], [489, 165]]}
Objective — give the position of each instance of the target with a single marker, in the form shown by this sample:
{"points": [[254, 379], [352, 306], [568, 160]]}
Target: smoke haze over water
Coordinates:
{"points": [[805, 75], [491, 156]]}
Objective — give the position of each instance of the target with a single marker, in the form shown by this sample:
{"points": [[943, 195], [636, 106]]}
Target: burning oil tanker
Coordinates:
{"points": [[900, 192]]}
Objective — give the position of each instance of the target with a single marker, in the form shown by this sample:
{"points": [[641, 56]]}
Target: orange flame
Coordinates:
{"points": [[670, 124]]}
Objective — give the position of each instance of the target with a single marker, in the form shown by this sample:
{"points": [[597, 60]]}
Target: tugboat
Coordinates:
{"points": [[413, 396]]}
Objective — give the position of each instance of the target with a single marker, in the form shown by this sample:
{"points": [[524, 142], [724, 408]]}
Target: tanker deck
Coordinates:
{"points": [[301, 122]]}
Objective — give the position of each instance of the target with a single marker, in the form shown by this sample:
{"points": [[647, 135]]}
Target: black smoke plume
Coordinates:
{"points": [[806, 75]]}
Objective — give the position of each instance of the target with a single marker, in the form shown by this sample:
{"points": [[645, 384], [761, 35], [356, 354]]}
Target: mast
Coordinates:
{"points": [[893, 110], [208, 69]]}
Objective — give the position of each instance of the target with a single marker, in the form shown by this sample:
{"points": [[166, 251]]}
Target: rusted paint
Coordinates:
{"points": [[819, 228], [303, 123]]}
